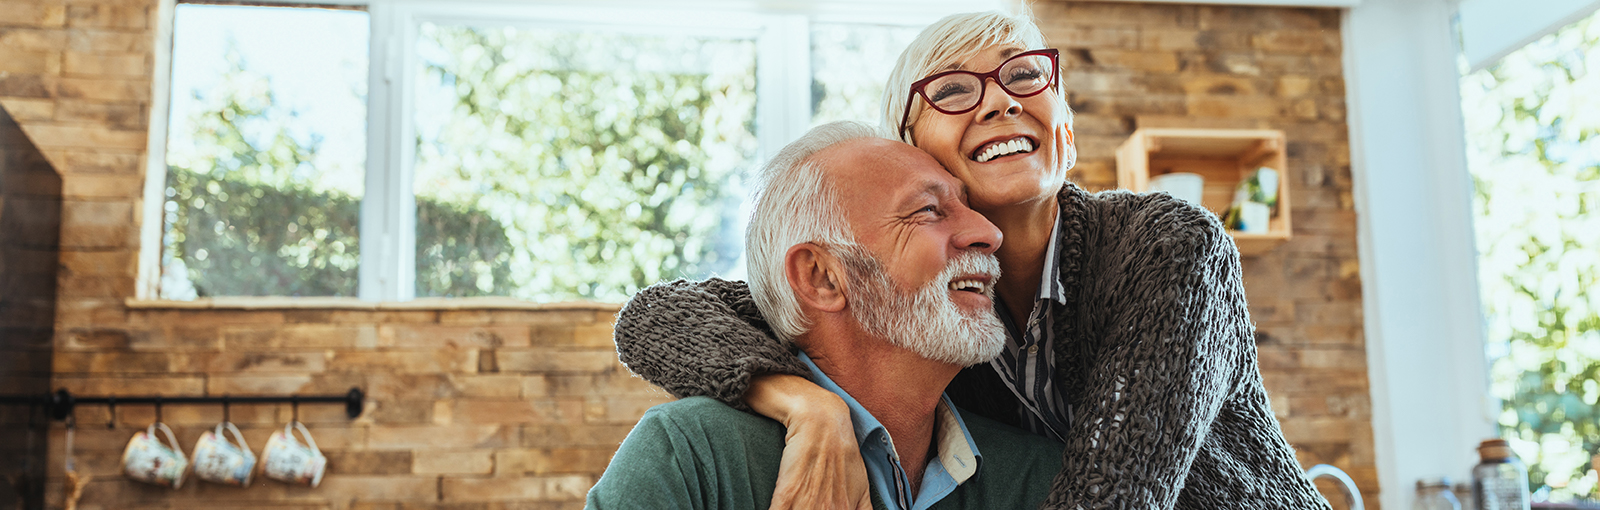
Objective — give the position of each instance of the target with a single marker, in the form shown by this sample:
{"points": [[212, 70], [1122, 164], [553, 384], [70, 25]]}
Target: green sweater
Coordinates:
{"points": [[697, 453]]}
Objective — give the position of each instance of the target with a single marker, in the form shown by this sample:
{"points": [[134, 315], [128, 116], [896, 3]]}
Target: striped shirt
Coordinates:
{"points": [[1027, 365]]}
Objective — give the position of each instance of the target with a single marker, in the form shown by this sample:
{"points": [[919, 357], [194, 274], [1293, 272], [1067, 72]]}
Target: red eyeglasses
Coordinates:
{"points": [[954, 92]]}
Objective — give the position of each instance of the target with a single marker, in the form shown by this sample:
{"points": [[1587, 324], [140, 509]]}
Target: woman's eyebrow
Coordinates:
{"points": [[1004, 54]]}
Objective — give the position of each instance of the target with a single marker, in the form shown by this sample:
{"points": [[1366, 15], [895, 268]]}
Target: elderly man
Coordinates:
{"points": [[864, 255]]}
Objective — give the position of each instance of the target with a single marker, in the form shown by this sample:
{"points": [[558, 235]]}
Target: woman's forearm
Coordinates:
{"points": [[700, 339], [789, 398]]}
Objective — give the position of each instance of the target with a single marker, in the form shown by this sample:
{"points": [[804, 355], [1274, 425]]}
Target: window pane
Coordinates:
{"points": [[1530, 122], [849, 64], [265, 151], [558, 165]]}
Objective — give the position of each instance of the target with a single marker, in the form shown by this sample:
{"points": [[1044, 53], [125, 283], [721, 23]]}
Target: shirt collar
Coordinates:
{"points": [[957, 453]]}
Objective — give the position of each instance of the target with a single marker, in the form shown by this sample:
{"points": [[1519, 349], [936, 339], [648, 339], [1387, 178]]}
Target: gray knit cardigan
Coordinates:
{"points": [[1156, 352]]}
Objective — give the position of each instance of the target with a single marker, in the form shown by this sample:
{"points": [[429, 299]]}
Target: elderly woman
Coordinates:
{"points": [[1129, 338]]}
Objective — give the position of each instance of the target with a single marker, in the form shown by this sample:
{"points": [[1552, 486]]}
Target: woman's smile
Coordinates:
{"points": [[1002, 147]]}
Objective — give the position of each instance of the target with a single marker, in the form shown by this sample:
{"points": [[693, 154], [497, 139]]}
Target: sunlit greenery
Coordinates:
{"points": [[612, 160], [244, 214], [849, 65], [1532, 121]]}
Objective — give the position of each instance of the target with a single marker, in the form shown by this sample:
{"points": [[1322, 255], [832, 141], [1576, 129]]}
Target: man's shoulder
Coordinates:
{"points": [[705, 415], [693, 453], [1017, 471], [1010, 442], [690, 407]]}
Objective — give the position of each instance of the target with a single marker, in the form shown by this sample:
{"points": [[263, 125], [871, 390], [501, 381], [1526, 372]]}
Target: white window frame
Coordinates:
{"points": [[782, 104], [388, 206]]}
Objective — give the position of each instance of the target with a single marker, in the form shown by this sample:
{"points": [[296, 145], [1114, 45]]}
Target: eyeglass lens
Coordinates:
{"points": [[957, 92]]}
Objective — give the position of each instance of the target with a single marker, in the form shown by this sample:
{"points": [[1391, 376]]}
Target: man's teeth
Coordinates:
{"points": [[975, 286], [1006, 148]]}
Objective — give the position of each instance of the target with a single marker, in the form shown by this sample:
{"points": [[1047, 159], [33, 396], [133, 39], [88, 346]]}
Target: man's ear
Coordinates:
{"points": [[816, 277]]}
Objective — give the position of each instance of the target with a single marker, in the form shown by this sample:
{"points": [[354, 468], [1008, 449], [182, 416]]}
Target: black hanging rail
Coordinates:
{"points": [[62, 402]]}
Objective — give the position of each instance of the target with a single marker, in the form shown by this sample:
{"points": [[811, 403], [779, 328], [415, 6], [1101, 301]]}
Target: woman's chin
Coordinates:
{"points": [[1011, 185], [1028, 194]]}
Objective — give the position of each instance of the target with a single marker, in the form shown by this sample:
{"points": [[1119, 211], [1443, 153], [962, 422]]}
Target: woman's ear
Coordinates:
{"points": [[1065, 145], [816, 277]]}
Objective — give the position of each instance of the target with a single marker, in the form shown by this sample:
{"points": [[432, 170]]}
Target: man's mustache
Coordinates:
{"points": [[969, 264]]}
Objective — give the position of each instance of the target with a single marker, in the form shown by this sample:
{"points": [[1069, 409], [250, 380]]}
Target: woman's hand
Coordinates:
{"points": [[821, 466]]}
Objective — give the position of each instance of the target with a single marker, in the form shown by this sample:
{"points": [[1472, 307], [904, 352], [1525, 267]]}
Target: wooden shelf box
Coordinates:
{"points": [[1223, 157]]}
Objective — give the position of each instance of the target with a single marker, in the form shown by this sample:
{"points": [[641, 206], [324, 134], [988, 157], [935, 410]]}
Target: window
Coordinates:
{"points": [[850, 62], [1531, 124], [547, 153], [556, 164], [267, 152]]}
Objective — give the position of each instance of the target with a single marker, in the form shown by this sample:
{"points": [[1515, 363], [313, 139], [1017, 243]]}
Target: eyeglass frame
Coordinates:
{"points": [[918, 87]]}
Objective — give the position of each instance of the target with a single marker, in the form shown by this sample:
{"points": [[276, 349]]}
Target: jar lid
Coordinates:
{"points": [[1495, 449], [1434, 482]]}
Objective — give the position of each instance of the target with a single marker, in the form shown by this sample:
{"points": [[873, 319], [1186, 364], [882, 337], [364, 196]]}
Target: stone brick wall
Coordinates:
{"points": [[473, 407]]}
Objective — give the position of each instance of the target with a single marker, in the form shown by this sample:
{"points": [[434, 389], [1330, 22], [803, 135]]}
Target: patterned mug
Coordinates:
{"points": [[218, 461], [286, 459], [147, 460]]}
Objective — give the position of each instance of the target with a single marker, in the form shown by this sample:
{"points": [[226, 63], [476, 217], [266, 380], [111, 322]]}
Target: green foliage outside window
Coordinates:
{"points": [[243, 216], [243, 219], [1532, 121], [611, 159]]}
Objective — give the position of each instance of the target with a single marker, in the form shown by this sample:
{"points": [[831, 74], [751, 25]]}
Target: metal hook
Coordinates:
{"points": [[111, 412], [158, 409], [226, 414], [294, 403]]}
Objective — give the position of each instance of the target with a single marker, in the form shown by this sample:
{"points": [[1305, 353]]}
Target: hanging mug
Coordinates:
{"points": [[218, 461], [286, 459], [147, 460]]}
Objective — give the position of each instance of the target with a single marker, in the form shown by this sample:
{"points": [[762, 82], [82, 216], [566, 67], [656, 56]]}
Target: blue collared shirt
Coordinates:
{"points": [[957, 458]]}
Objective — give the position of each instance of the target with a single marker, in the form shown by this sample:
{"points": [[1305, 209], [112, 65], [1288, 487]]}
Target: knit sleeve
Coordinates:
{"points": [[1161, 335], [700, 339]]}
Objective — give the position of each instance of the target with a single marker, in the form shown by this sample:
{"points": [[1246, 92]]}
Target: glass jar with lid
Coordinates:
{"points": [[1434, 494], [1500, 480]]}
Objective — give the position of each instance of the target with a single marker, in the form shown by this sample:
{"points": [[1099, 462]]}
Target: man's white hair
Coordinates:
{"points": [[795, 204], [948, 42]]}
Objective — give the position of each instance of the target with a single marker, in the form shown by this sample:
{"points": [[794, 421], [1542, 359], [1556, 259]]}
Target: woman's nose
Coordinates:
{"points": [[997, 102]]}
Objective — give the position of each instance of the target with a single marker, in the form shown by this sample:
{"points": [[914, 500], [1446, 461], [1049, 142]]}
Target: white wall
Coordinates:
{"points": [[1418, 262]]}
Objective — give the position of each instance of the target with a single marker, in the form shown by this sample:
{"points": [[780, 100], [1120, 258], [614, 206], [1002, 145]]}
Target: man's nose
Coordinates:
{"points": [[975, 233]]}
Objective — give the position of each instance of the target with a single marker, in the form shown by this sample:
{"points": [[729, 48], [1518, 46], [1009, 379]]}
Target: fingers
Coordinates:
{"points": [[821, 466]]}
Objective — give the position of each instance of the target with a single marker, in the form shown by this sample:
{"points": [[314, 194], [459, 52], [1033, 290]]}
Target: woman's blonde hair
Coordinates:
{"points": [[947, 42]]}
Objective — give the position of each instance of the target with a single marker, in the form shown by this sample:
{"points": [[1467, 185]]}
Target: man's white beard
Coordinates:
{"points": [[927, 322]]}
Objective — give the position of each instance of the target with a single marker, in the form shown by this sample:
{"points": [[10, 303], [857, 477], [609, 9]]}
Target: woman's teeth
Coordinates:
{"points": [[1018, 145]]}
